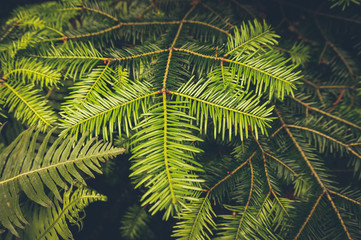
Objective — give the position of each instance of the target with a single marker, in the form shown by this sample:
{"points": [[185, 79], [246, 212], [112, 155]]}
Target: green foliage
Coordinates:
{"points": [[31, 170], [344, 3], [28, 105], [223, 132], [51, 223], [134, 224]]}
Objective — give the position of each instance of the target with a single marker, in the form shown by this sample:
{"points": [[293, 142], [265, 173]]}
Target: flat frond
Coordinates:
{"points": [[24, 168], [51, 223]]}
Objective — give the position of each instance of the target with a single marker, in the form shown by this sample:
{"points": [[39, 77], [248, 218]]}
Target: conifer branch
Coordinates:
{"points": [[217, 105], [247, 42], [29, 105], [122, 24], [284, 164], [104, 59], [232, 173], [326, 136], [15, 24], [335, 49], [309, 216], [60, 164], [315, 174], [263, 203], [217, 14], [248, 201], [264, 163], [173, 44], [100, 12], [307, 105], [165, 149], [222, 59], [192, 231], [25, 70], [343, 196], [93, 117], [267, 175], [339, 216]]}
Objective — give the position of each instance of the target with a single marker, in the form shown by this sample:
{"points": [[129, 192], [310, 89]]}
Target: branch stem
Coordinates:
{"points": [[325, 113]]}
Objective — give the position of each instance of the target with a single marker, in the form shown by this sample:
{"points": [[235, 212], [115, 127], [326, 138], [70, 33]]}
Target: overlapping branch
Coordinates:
{"points": [[307, 105], [318, 179]]}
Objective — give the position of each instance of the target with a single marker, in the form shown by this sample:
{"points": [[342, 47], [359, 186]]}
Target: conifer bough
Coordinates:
{"points": [[173, 77]]}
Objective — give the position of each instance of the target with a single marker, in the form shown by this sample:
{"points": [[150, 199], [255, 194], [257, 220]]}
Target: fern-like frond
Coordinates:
{"points": [[28, 105], [52, 223], [26, 169], [232, 111], [163, 158], [119, 110]]}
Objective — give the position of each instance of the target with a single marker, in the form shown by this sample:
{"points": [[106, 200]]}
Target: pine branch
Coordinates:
{"points": [[196, 223], [173, 44], [123, 107], [309, 215], [325, 136], [227, 110], [307, 105], [15, 24], [135, 224], [163, 158], [337, 51], [267, 174], [260, 66], [27, 104], [314, 173]]}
